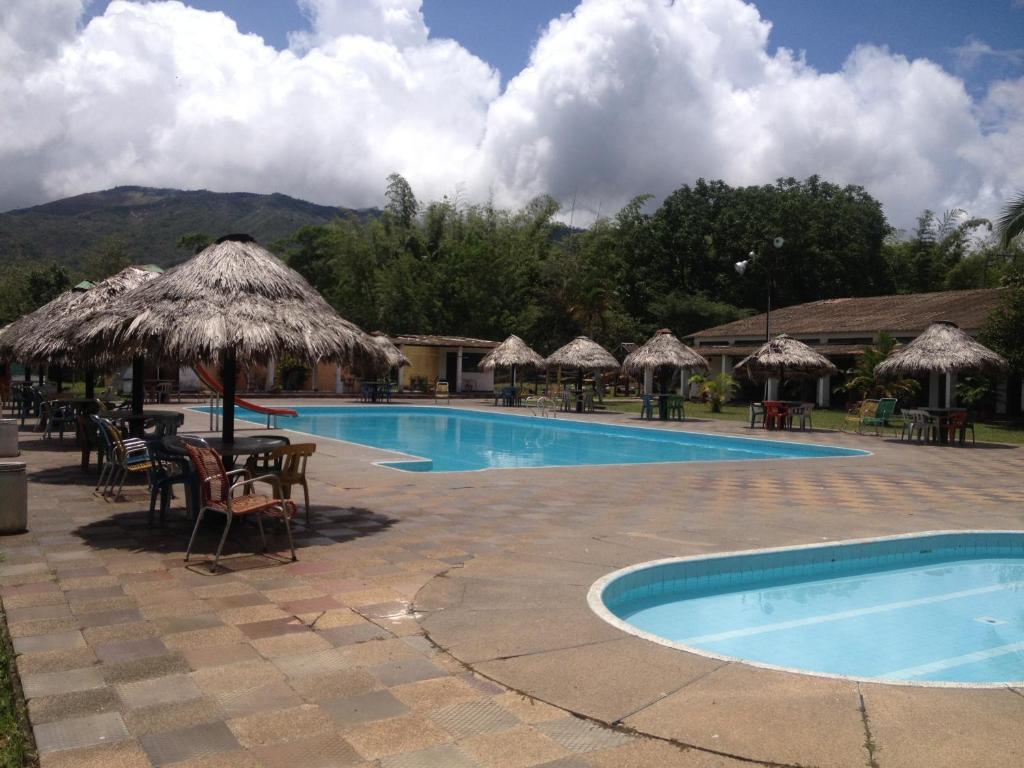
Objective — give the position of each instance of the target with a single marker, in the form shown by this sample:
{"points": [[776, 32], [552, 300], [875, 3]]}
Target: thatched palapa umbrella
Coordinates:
{"points": [[56, 337], [233, 301], [391, 356], [784, 355], [14, 336], [512, 353], [943, 348], [665, 352], [583, 354]]}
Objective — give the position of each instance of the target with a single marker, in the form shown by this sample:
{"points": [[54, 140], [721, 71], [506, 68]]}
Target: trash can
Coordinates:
{"points": [[8, 438], [13, 497]]}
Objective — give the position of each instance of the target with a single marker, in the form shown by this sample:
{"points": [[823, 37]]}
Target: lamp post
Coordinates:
{"points": [[741, 268]]}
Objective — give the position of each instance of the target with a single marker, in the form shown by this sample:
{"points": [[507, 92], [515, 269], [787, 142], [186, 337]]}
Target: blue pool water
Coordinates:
{"points": [[456, 440], [941, 608]]}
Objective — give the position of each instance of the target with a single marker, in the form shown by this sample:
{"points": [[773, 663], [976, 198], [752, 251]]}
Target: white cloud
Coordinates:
{"points": [[621, 97]]}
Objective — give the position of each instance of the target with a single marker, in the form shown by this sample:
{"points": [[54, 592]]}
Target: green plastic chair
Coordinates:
{"points": [[882, 416], [675, 407]]}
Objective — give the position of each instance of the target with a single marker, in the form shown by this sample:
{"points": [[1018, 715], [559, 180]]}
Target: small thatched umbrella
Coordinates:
{"points": [[232, 301], [582, 354], [941, 348], [512, 353], [784, 355], [665, 352], [55, 337]]}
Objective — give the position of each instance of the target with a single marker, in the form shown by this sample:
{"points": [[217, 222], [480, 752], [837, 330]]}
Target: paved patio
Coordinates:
{"points": [[440, 619]]}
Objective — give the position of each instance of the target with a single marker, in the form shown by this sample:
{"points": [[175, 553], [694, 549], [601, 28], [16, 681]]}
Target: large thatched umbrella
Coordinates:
{"points": [[512, 353], [56, 337], [784, 356], [663, 351], [582, 354], [942, 348], [233, 301]]}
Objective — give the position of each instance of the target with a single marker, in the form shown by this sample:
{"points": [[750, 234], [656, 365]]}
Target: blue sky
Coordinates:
{"points": [[502, 32]]}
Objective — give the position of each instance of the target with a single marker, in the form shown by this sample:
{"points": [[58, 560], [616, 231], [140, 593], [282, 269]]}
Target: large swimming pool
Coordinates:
{"points": [[937, 608], [442, 439]]}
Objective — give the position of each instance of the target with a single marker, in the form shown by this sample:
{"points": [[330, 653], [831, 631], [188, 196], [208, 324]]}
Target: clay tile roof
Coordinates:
{"points": [[441, 341], [908, 314]]}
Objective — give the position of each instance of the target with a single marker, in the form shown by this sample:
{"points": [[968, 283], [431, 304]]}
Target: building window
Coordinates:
{"points": [[471, 361]]}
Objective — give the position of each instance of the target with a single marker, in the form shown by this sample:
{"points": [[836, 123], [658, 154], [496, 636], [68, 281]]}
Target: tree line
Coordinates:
{"points": [[456, 268]]}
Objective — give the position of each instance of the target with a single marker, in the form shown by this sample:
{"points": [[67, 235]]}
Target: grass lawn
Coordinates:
{"points": [[998, 432], [15, 748]]}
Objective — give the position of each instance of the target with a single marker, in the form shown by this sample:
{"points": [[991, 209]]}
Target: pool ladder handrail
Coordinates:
{"points": [[542, 406]]}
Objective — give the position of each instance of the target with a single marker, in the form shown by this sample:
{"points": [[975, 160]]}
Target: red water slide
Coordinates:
{"points": [[213, 384]]}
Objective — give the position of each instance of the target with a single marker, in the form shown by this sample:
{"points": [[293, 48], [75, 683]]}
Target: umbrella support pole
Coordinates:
{"points": [[214, 405]]}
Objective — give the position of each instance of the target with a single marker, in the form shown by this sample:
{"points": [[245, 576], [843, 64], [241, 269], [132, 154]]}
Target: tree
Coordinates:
{"points": [[1004, 329], [1011, 221], [194, 242], [716, 390], [106, 258], [863, 380], [401, 206]]}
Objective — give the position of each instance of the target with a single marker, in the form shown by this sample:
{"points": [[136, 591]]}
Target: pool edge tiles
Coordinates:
{"points": [[741, 571], [659, 445]]}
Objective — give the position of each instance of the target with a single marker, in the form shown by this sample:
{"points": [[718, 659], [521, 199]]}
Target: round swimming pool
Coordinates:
{"points": [[939, 608]]}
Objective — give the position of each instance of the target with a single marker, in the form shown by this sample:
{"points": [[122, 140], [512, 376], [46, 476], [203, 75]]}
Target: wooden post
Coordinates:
{"points": [[138, 393]]}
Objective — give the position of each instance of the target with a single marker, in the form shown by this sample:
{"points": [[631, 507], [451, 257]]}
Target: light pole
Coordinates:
{"points": [[741, 268]]}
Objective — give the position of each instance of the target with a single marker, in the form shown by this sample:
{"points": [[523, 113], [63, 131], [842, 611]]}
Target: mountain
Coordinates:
{"points": [[149, 222]]}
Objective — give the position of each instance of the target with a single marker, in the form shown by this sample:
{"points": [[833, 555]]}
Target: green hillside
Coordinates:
{"points": [[149, 222]]}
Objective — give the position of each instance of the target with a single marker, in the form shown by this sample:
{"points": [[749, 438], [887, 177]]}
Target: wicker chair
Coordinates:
{"points": [[217, 494]]}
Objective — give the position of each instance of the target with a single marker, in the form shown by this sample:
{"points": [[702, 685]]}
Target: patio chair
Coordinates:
{"points": [[168, 470], [675, 407], [756, 414], [217, 494], [857, 412], [647, 407], [957, 424], [57, 417], [292, 460], [881, 417], [776, 415], [803, 414], [441, 391], [123, 457], [921, 423]]}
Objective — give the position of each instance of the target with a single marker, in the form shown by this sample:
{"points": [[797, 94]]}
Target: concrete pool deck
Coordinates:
{"points": [[441, 619]]}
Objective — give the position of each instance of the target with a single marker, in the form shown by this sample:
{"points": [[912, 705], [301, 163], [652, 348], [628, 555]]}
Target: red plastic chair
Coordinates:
{"points": [[776, 414]]}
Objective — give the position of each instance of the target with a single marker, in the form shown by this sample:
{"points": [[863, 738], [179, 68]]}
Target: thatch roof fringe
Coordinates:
{"points": [[512, 351], [663, 350], [583, 353], [393, 357], [942, 348]]}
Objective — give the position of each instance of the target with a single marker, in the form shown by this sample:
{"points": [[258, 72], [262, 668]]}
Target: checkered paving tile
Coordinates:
{"points": [[132, 657]]}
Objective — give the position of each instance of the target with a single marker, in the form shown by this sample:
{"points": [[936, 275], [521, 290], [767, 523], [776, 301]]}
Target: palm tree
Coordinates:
{"points": [[1011, 222], [862, 379]]}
